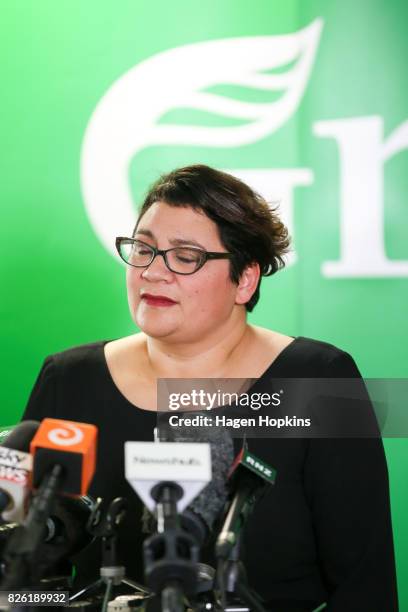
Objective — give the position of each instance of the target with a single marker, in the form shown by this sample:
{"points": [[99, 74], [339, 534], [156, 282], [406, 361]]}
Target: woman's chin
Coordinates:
{"points": [[155, 327]]}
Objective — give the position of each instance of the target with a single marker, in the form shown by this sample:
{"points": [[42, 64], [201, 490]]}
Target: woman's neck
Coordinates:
{"points": [[204, 359]]}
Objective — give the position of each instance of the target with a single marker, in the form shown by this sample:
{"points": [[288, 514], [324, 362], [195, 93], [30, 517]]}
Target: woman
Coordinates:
{"points": [[201, 244]]}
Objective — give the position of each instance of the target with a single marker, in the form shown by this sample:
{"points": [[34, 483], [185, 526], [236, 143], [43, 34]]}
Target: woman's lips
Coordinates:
{"points": [[157, 300]]}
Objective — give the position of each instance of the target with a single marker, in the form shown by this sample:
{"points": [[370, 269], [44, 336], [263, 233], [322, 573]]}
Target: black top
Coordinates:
{"points": [[322, 533]]}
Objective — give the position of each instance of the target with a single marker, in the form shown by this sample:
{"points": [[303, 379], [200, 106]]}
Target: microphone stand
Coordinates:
{"points": [[171, 555], [111, 573], [232, 579], [231, 575]]}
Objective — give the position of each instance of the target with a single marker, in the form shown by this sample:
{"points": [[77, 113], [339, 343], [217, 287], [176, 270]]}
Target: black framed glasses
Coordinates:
{"points": [[181, 260]]}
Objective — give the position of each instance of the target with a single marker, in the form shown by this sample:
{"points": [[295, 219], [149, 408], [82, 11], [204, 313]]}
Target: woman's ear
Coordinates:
{"points": [[248, 283]]}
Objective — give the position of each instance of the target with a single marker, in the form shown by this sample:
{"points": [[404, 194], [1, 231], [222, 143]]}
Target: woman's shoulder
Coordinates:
{"points": [[320, 348], [63, 382], [279, 342], [77, 353], [96, 356], [309, 356], [81, 362], [91, 348], [317, 358]]}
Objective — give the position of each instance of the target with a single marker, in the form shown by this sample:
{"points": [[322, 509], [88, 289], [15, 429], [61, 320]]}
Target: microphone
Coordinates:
{"points": [[67, 526], [69, 445], [66, 531], [20, 436], [4, 432], [200, 515], [15, 471], [171, 555], [167, 476], [149, 466], [248, 478], [64, 454]]}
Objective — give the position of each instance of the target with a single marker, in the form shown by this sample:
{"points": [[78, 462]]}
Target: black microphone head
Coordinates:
{"points": [[20, 436], [65, 536], [211, 501], [66, 533], [6, 531], [68, 524], [16, 466]]}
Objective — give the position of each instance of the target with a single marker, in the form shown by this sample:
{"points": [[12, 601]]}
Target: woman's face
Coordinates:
{"points": [[171, 306]]}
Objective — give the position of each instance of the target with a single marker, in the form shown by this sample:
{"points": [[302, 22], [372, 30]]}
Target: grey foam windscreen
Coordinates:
{"points": [[210, 502]]}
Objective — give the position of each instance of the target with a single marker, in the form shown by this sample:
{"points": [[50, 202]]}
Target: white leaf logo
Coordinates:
{"points": [[69, 435], [126, 119]]}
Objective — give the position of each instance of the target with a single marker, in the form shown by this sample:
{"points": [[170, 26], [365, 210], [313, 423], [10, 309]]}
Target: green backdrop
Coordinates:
{"points": [[307, 100]]}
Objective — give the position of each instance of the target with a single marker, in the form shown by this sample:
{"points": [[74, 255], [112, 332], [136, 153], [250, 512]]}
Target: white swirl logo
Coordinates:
{"points": [[131, 115], [69, 435]]}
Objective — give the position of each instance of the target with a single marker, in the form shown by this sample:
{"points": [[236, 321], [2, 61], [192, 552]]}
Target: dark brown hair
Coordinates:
{"points": [[247, 226]]}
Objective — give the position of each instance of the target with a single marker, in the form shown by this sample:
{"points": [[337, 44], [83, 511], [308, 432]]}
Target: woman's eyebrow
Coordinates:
{"points": [[174, 241], [145, 232], [182, 241]]}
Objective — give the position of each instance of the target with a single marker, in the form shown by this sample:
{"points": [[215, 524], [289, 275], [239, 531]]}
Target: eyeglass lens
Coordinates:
{"points": [[180, 259]]}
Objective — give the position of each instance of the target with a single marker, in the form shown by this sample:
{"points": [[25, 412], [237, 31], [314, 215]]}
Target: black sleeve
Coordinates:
{"points": [[42, 400], [346, 483]]}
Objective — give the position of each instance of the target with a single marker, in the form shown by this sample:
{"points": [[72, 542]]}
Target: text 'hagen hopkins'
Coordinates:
{"points": [[222, 421]]}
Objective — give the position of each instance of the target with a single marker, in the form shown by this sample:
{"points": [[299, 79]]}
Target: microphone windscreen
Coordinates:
{"points": [[212, 499], [67, 532], [210, 502], [20, 436], [71, 515], [15, 471], [72, 446]]}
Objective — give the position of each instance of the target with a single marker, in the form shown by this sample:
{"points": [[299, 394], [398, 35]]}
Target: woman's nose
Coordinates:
{"points": [[157, 270]]}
